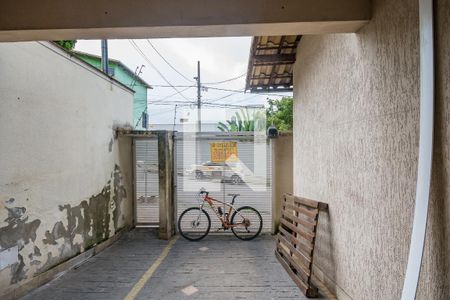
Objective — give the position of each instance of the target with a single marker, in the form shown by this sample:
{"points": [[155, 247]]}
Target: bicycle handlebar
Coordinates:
{"points": [[203, 191]]}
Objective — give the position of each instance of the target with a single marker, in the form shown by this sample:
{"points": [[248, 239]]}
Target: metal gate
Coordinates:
{"points": [[196, 169], [147, 181]]}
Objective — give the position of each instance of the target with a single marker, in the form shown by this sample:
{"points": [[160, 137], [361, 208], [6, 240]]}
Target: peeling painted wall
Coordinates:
{"points": [[356, 134], [65, 179]]}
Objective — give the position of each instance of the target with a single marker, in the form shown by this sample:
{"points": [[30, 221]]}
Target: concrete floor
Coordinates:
{"points": [[218, 267]]}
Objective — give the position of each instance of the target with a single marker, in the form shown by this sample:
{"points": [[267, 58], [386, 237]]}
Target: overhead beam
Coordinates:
{"points": [[271, 90], [99, 19], [274, 58]]}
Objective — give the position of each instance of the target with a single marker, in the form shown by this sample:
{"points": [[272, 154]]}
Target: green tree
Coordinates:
{"points": [[67, 44], [280, 113], [244, 121]]}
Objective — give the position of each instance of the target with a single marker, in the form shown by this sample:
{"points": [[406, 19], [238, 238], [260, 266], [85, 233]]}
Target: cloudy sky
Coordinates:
{"points": [[221, 59]]}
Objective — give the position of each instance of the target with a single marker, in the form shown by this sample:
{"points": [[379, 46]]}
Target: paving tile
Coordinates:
{"points": [[229, 269], [214, 268]]}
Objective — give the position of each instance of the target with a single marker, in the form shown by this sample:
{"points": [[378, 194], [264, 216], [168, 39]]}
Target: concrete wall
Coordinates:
{"points": [[282, 174], [65, 180], [127, 78], [356, 129]]}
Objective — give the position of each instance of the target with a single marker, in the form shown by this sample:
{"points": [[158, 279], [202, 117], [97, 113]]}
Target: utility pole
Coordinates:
{"points": [[199, 99], [105, 57]]}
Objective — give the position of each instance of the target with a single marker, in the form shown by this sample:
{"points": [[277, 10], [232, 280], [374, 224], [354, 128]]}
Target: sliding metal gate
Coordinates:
{"points": [[195, 170], [147, 181]]}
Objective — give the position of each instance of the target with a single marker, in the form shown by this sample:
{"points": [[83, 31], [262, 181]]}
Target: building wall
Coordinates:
{"points": [[356, 135], [124, 76], [65, 179], [282, 174], [140, 93]]}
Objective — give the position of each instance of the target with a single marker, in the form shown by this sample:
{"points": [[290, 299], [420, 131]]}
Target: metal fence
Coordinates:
{"points": [[193, 153], [147, 181], [253, 166]]}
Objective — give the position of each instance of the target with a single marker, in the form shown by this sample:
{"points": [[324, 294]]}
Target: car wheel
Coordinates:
{"points": [[198, 174], [235, 179]]}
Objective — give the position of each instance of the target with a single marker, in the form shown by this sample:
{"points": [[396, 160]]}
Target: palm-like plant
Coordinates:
{"points": [[243, 121]]}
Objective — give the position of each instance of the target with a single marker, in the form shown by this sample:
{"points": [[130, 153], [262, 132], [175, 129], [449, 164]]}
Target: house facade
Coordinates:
{"points": [[126, 76]]}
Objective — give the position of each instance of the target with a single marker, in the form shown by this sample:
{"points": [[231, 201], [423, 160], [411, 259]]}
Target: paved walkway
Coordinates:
{"points": [[218, 267]]}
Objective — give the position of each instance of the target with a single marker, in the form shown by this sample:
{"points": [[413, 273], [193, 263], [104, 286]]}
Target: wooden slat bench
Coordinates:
{"points": [[296, 239]]}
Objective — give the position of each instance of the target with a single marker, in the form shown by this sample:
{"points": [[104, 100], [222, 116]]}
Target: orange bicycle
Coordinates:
{"points": [[194, 223]]}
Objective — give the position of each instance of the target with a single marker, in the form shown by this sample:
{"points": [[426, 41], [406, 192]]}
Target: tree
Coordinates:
{"points": [[280, 113], [67, 44], [243, 121]]}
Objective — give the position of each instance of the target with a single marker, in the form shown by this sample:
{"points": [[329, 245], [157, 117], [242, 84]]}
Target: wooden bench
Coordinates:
{"points": [[296, 239]]}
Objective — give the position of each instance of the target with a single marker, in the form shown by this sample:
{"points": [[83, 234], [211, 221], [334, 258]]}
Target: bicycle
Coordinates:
{"points": [[194, 223]]}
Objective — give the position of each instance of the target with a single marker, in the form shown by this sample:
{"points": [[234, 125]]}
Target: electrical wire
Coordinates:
{"points": [[184, 76], [177, 93], [161, 112], [220, 98], [168, 63], [136, 47], [227, 80], [171, 86], [241, 91]]}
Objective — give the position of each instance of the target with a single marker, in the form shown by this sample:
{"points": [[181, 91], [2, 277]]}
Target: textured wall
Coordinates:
{"points": [[282, 170], [356, 122], [435, 276], [65, 180]]}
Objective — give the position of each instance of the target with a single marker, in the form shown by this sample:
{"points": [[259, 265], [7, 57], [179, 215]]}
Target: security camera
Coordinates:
{"points": [[272, 132]]}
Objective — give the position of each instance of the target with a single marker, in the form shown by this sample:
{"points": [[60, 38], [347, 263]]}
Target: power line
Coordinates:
{"points": [[225, 105], [168, 63], [171, 86], [244, 99], [136, 47], [225, 90], [232, 105], [241, 91], [227, 80], [185, 77], [180, 103], [220, 98], [161, 112], [174, 94]]}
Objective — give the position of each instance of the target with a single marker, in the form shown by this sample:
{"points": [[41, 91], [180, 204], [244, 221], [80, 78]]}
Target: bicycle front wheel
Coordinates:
{"points": [[246, 223], [194, 224]]}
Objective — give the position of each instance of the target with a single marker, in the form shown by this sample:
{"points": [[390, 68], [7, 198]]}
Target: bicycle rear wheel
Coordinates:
{"points": [[194, 224], [247, 223]]}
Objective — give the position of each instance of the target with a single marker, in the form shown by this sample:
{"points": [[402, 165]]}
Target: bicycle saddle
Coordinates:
{"points": [[234, 195]]}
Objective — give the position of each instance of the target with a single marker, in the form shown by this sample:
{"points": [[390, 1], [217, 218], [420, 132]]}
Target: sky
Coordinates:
{"points": [[220, 58]]}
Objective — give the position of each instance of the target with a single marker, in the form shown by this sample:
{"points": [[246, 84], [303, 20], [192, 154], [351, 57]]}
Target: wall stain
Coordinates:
{"points": [[87, 224], [15, 214], [37, 251], [120, 193], [110, 145], [18, 271], [90, 219], [18, 229]]}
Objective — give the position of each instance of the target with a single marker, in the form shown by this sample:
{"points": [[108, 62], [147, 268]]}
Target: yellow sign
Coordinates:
{"points": [[223, 151]]}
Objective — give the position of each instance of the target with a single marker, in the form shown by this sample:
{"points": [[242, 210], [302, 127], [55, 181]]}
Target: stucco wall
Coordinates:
{"points": [[356, 125], [125, 77], [282, 170], [65, 180]]}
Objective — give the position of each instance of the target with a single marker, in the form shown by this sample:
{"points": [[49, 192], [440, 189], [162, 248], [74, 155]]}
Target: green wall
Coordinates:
{"points": [[125, 77]]}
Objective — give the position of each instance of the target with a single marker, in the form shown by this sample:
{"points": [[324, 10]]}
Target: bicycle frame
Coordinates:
{"points": [[225, 217]]}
